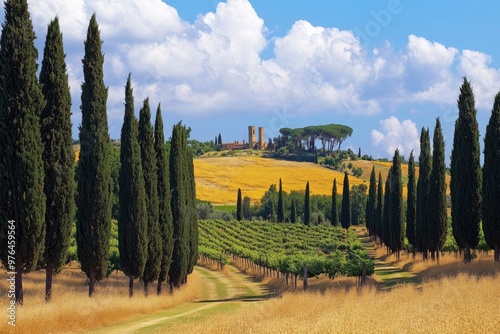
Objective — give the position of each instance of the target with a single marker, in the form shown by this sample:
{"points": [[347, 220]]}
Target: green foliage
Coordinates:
{"points": [[334, 212], [357, 171], [379, 213], [286, 247], [165, 219], [293, 213], [465, 182], [58, 155], [491, 180], [247, 210], [423, 186], [345, 214], [307, 206], [281, 205], [94, 179], [358, 204], [150, 172], [395, 209], [437, 193], [114, 161], [239, 206], [371, 204], [411, 202], [133, 223]]}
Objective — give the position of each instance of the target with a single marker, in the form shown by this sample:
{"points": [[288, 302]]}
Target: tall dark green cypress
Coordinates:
{"points": [[191, 210], [380, 207], [164, 200], [178, 175], [335, 211], [491, 181], [307, 206], [465, 182], [345, 214], [22, 198], [437, 194], [239, 206], [386, 228], [396, 220], [411, 202], [281, 205], [58, 156], [371, 204], [150, 170], [423, 184], [93, 228], [293, 212], [220, 139], [132, 222]]}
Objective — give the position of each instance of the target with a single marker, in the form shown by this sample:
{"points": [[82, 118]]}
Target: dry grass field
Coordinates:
{"points": [[462, 304], [218, 178], [72, 311]]}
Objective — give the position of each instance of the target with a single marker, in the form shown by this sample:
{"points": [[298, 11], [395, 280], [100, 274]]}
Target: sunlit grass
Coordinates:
{"points": [[218, 178], [71, 310]]}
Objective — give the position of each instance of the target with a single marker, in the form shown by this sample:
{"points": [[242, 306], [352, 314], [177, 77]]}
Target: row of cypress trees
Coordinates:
{"points": [[157, 226], [475, 192]]}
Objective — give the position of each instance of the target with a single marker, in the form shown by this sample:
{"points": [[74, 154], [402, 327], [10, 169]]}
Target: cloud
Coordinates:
{"points": [[215, 65], [397, 135]]}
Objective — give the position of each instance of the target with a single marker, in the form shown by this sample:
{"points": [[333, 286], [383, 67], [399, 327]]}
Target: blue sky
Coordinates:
{"points": [[385, 68]]}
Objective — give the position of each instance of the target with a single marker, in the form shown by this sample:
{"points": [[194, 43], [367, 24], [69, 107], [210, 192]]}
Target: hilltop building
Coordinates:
{"points": [[252, 141]]}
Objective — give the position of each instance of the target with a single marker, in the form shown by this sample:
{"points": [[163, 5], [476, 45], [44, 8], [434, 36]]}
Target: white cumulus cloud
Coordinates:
{"points": [[395, 134]]}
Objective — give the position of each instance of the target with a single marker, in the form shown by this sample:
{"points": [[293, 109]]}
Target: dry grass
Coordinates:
{"points": [[72, 311], [462, 304], [218, 178]]}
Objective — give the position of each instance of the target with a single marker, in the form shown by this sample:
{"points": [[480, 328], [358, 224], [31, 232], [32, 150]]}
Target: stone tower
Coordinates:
{"points": [[262, 141], [251, 137]]}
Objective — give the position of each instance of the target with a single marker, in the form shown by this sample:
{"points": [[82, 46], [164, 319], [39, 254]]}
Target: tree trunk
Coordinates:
{"points": [[305, 276], [171, 288], [496, 254], [19, 283], [158, 288], [146, 289], [467, 253], [91, 282], [131, 286], [48, 282]]}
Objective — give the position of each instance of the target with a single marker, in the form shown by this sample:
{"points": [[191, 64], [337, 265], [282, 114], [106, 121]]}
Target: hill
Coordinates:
{"points": [[218, 178]]}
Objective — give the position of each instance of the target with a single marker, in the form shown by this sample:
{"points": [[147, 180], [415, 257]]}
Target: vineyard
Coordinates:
{"points": [[285, 248]]}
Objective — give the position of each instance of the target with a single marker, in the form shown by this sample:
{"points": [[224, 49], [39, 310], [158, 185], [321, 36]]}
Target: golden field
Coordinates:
{"points": [[218, 178], [462, 304], [72, 311]]}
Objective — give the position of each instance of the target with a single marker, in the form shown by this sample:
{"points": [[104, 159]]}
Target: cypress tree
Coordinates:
{"points": [[192, 212], [465, 182], [437, 194], [335, 211], [491, 181], [247, 214], [386, 231], [371, 204], [380, 207], [178, 174], [22, 198], [150, 170], [396, 221], [281, 205], [307, 206], [58, 156], [239, 207], [220, 139], [164, 200], [293, 212], [423, 185], [411, 202], [132, 223], [345, 214], [93, 228]]}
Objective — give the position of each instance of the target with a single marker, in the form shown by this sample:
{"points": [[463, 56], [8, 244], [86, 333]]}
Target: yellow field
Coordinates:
{"points": [[71, 310], [462, 304], [218, 178]]}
